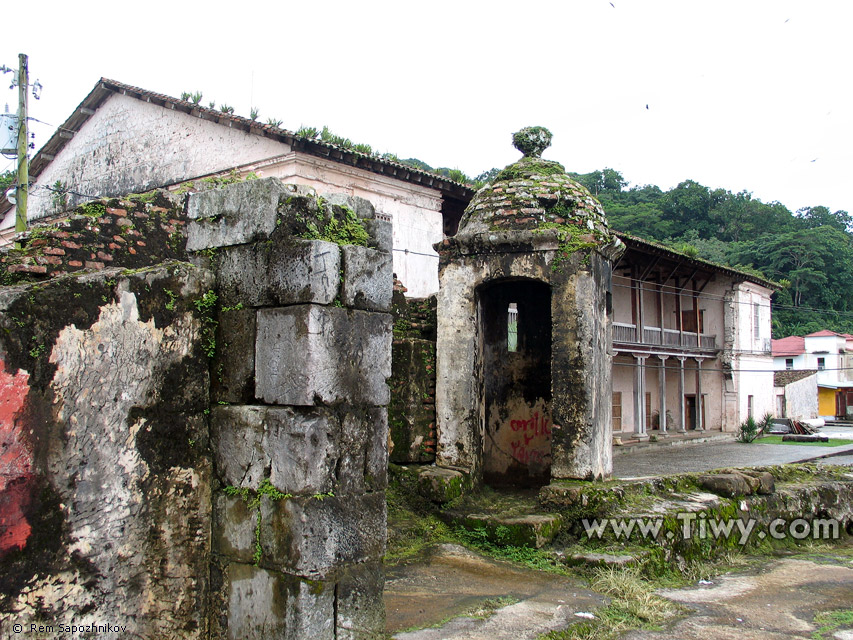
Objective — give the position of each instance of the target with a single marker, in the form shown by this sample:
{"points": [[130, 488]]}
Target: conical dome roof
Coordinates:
{"points": [[533, 194]]}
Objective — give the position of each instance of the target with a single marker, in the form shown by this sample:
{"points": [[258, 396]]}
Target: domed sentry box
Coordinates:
{"points": [[523, 390]]}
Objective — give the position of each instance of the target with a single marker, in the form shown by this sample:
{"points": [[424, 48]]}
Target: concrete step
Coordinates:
{"points": [[629, 446]]}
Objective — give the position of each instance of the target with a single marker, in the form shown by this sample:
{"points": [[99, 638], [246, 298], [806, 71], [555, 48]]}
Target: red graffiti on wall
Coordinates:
{"points": [[532, 445], [16, 462]]}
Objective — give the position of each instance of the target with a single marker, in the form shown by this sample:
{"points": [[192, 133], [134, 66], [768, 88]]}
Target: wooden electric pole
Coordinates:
{"points": [[23, 146]]}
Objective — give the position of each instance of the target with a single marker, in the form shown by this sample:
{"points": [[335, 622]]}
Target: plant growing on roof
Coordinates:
{"points": [[274, 122], [224, 108], [253, 113], [309, 132]]}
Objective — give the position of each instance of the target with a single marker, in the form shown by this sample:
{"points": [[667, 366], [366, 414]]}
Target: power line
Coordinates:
{"points": [[703, 296]]}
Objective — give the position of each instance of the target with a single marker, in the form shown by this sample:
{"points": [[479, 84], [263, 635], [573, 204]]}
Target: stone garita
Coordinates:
{"points": [[523, 368]]}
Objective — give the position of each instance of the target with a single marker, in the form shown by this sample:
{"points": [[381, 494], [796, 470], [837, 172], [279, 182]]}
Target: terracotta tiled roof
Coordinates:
{"points": [[783, 378], [823, 333], [790, 346], [656, 248]]}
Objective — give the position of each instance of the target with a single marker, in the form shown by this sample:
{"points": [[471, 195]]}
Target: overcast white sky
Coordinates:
{"points": [[741, 94]]}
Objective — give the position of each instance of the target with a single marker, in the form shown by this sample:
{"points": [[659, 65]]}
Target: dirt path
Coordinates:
{"points": [[454, 581], [779, 600], [774, 599]]}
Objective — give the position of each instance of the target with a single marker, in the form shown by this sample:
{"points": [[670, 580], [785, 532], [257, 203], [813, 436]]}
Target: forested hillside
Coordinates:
{"points": [[810, 251]]}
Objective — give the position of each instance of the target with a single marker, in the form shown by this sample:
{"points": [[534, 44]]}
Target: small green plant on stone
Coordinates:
{"points": [[206, 305], [37, 351], [170, 305], [60, 196], [93, 209], [252, 498]]}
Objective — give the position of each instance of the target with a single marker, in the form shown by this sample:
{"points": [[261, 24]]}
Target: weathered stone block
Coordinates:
{"points": [[525, 531], [360, 609], [303, 451], [259, 604], [236, 214], [233, 378], [361, 207], [368, 278], [309, 354], [312, 537], [363, 462], [761, 482], [298, 447], [275, 273], [234, 528], [411, 412], [729, 485], [440, 485], [381, 234]]}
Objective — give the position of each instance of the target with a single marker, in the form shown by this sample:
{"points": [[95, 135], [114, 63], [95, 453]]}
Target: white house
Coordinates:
{"points": [[831, 355]]}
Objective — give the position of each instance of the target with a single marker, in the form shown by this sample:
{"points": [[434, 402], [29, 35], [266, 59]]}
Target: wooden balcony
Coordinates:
{"points": [[626, 338]]}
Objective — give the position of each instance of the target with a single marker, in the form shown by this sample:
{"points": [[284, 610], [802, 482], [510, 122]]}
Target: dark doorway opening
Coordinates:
{"points": [[690, 412], [515, 320]]}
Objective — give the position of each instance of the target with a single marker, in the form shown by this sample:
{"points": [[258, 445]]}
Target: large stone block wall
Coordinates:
{"points": [[200, 450], [105, 472], [299, 429], [411, 414]]}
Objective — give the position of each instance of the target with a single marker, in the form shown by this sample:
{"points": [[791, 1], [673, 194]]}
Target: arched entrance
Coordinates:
{"points": [[515, 348]]}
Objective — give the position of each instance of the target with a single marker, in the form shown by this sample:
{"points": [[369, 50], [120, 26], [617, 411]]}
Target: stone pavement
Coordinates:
{"points": [[692, 458]]}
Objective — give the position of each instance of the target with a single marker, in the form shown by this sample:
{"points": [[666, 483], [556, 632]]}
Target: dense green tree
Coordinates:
{"points": [[812, 217], [7, 179], [811, 252]]}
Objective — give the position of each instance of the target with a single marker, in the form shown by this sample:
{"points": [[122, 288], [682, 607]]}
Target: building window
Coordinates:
{"points": [[789, 363], [821, 364], [512, 327], [756, 320], [648, 409], [617, 411], [749, 405]]}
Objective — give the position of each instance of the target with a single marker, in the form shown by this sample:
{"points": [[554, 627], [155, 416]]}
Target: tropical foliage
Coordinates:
{"points": [[809, 252]]}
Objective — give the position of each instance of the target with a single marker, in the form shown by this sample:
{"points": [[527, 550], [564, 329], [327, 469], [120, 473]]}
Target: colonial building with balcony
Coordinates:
{"points": [[691, 344]]}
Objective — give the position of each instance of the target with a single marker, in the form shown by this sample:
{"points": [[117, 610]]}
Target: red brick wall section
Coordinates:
{"points": [[132, 232], [16, 462]]}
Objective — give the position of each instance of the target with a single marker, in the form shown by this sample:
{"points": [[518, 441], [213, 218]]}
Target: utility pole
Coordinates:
{"points": [[23, 144]]}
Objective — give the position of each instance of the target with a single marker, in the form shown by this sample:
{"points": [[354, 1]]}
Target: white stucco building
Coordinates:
{"points": [[830, 354]]}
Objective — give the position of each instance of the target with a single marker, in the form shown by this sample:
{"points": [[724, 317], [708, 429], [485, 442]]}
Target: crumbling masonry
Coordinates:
{"points": [[200, 450]]}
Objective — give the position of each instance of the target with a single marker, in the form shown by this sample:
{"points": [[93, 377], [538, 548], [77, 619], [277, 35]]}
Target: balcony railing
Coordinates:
{"points": [[627, 333]]}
